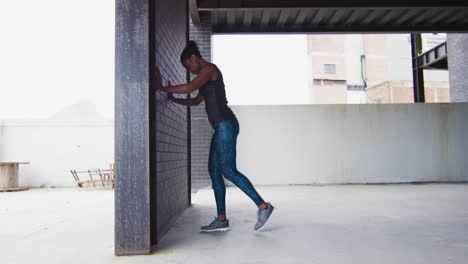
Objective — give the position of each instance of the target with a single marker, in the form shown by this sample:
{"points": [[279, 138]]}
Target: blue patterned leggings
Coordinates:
{"points": [[222, 161]]}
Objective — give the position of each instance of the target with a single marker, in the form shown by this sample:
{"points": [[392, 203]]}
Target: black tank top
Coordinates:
{"points": [[215, 100]]}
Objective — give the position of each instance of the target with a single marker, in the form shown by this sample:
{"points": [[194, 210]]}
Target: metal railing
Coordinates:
{"points": [[95, 177]]}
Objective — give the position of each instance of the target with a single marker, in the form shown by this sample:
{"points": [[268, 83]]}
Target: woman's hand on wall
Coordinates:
{"points": [[158, 79], [171, 96]]}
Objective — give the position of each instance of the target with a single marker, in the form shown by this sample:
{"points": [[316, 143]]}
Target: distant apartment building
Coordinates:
{"points": [[369, 68], [402, 92]]}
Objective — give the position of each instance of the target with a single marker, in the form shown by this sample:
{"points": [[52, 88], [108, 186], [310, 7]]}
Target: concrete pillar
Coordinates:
{"points": [[132, 128]]}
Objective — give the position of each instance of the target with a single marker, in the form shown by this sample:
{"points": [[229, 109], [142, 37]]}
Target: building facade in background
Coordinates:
{"points": [[369, 68]]}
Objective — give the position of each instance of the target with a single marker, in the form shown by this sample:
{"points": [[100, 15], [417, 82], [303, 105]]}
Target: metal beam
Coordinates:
{"points": [[418, 74], [435, 58], [194, 14]]}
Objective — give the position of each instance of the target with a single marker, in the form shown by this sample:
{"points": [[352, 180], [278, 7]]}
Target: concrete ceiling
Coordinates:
{"points": [[341, 16]]}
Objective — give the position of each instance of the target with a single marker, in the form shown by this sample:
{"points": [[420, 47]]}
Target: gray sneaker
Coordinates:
{"points": [[216, 225], [263, 215]]}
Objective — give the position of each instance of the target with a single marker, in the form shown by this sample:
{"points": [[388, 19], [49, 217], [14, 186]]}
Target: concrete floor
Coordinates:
{"points": [[312, 224]]}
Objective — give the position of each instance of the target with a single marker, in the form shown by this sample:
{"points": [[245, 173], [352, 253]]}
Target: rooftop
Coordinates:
{"points": [[397, 223]]}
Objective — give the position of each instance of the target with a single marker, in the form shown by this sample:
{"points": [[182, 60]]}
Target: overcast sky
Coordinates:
{"points": [[54, 53]]}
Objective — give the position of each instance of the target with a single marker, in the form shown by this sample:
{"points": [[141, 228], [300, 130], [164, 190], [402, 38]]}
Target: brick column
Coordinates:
{"points": [[151, 132], [201, 130], [457, 47]]}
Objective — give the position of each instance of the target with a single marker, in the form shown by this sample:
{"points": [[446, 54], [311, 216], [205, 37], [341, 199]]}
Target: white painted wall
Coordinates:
{"points": [[307, 144], [398, 57], [75, 138]]}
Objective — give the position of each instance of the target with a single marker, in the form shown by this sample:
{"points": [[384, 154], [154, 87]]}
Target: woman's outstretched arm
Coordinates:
{"points": [[189, 102], [203, 77]]}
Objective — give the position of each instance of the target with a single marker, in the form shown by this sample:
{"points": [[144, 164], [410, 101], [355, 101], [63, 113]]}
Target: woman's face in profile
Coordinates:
{"points": [[192, 64]]}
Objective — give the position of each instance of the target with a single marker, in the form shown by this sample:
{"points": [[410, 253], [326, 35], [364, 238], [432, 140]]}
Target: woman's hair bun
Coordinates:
{"points": [[192, 43], [190, 49]]}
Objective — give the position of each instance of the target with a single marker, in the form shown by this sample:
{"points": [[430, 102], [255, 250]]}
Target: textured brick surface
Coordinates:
{"points": [[200, 126], [457, 45], [171, 119]]}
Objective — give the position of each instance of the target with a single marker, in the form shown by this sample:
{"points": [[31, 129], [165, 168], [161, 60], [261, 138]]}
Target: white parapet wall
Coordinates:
{"points": [[75, 138], [283, 144], [327, 144]]}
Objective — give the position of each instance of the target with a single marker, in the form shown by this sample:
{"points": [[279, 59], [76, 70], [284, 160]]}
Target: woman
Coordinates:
{"points": [[222, 154]]}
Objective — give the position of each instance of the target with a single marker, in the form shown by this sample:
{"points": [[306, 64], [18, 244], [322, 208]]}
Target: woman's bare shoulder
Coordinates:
{"points": [[214, 71]]}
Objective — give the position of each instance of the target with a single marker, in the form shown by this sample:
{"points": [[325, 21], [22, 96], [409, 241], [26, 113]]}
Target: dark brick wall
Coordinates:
{"points": [[457, 45], [171, 144], [201, 130]]}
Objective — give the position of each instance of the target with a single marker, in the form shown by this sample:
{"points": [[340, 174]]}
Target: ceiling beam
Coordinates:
{"points": [[356, 16], [342, 29], [216, 4]]}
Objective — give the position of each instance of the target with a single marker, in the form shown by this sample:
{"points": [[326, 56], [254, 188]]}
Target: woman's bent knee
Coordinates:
{"points": [[231, 174]]}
